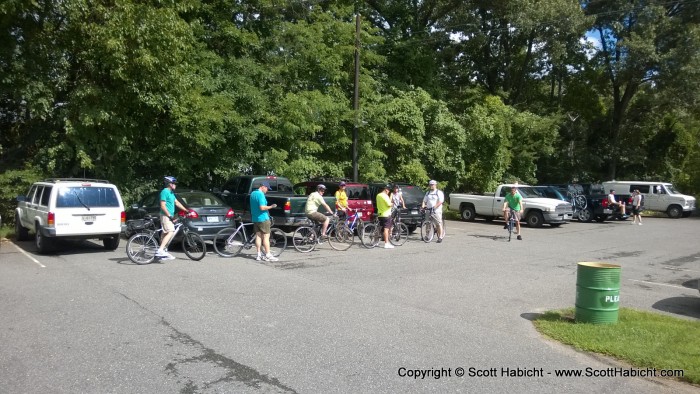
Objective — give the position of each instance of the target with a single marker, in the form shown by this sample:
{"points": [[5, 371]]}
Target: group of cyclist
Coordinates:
{"points": [[388, 200]]}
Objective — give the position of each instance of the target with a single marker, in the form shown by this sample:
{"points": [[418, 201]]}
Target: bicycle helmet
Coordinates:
{"points": [[321, 187], [169, 179]]}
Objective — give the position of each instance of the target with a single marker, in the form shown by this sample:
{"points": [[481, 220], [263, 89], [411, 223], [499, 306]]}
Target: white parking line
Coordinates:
{"points": [[672, 268], [28, 256], [659, 284]]}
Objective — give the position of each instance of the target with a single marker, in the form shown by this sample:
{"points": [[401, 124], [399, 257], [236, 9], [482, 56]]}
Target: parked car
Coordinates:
{"points": [[538, 210], [657, 196], [412, 196], [595, 204], [359, 198], [70, 208], [207, 213]]}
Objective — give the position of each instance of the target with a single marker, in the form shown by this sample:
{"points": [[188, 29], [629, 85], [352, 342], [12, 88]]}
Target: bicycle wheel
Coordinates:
{"points": [[427, 231], [278, 242], [581, 202], [341, 238], [370, 235], [399, 234], [228, 242], [511, 223], [304, 239], [194, 246], [141, 248]]}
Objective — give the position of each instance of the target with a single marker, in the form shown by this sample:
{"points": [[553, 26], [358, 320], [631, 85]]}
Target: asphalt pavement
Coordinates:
{"points": [[409, 319]]}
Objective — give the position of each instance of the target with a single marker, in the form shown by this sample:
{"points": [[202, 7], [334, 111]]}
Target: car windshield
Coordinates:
{"points": [[549, 192], [90, 196], [412, 195], [671, 189], [529, 192], [200, 199], [357, 192]]}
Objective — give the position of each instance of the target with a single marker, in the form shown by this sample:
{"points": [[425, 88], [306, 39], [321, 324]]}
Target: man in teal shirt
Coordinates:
{"points": [[261, 220], [515, 202], [167, 215]]}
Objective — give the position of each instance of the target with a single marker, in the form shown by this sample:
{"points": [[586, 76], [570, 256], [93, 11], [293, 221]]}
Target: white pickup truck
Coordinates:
{"points": [[538, 210]]}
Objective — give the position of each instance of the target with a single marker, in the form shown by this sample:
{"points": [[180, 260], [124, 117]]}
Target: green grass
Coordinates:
{"points": [[6, 232], [643, 339]]}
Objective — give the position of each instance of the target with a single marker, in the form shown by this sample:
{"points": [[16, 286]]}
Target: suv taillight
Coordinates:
{"points": [[229, 214], [287, 206], [51, 219], [605, 203], [123, 217]]}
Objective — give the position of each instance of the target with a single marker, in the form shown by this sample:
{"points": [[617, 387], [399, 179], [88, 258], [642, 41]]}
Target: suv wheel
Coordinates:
{"points": [[21, 233], [43, 244], [111, 243], [675, 211], [468, 214], [585, 215]]}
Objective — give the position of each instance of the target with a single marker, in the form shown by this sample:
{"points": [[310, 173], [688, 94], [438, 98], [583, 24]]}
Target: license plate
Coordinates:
{"points": [[607, 211], [89, 218], [212, 219], [414, 212]]}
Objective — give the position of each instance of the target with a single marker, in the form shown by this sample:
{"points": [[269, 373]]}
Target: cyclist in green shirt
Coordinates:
{"points": [[515, 202]]}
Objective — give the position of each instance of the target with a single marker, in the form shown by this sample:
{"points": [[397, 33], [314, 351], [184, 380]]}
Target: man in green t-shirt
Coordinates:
{"points": [[515, 202]]}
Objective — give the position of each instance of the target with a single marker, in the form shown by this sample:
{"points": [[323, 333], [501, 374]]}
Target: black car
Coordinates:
{"points": [[412, 197], [207, 213]]}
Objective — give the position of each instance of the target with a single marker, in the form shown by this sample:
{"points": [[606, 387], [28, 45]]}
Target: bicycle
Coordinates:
{"points": [[399, 231], [353, 223], [307, 237], [142, 246], [511, 223], [371, 234], [229, 241], [577, 199], [428, 225]]}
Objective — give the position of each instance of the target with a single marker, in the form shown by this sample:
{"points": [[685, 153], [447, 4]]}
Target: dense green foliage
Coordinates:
{"points": [[470, 93]]}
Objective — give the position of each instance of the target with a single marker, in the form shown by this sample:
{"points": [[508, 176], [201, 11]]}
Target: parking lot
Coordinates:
{"points": [[86, 320]]}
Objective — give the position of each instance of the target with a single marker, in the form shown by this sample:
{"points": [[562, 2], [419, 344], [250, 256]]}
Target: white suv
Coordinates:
{"points": [[70, 208]]}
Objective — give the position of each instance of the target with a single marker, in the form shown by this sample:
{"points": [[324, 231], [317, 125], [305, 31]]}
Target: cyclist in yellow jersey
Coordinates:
{"points": [[341, 199], [384, 213]]}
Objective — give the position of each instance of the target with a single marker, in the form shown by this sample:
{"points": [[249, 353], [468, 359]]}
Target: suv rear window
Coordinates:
{"points": [[412, 195], [93, 196]]}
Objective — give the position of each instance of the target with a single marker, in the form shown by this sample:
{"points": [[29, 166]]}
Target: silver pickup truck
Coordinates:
{"points": [[538, 210]]}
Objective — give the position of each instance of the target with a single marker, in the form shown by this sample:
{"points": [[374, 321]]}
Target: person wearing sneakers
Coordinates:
{"points": [[434, 198], [384, 214], [315, 201], [261, 221], [515, 202], [168, 202], [637, 207]]}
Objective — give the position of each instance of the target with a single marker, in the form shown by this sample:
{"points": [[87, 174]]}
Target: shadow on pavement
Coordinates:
{"points": [[684, 306]]}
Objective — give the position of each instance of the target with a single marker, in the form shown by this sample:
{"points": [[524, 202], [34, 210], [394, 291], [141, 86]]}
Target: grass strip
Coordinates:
{"points": [[643, 339]]}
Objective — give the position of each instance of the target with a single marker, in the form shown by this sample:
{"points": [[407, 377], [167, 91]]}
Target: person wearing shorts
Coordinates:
{"points": [[637, 207], [168, 202], [384, 205], [315, 201], [261, 221], [515, 202], [434, 198]]}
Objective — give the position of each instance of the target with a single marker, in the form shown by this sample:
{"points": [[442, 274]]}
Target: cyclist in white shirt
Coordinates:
{"points": [[434, 198]]}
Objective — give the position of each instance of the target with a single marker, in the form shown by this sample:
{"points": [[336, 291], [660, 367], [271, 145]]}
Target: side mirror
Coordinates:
{"points": [[21, 198]]}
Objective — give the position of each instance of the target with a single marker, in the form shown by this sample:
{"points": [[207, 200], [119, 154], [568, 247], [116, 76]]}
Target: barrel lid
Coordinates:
{"points": [[598, 265]]}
